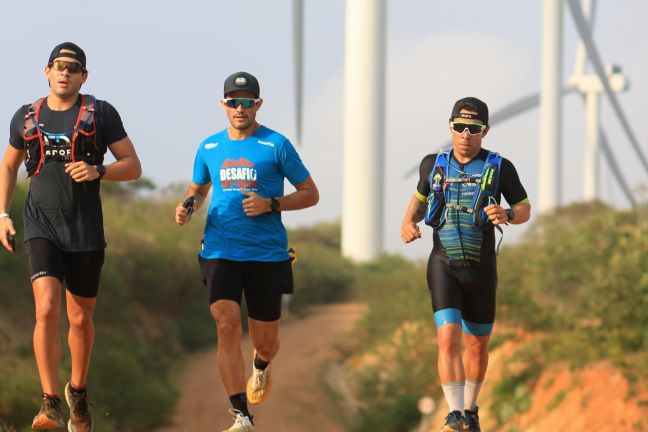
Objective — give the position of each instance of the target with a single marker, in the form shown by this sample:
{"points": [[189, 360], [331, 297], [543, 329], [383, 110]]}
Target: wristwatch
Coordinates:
{"points": [[274, 205], [510, 214], [101, 170]]}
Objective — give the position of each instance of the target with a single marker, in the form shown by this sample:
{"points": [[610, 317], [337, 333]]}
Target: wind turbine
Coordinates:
{"points": [[549, 101], [607, 83], [590, 87]]}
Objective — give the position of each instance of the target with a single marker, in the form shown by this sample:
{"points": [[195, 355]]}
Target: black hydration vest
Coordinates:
{"points": [[81, 147]]}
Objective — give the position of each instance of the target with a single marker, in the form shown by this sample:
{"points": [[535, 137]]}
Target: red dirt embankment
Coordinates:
{"points": [[597, 398]]}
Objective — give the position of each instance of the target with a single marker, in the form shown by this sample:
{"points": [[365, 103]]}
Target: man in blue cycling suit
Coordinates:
{"points": [[458, 194], [245, 244]]}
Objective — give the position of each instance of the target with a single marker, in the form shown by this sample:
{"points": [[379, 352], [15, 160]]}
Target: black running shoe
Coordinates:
{"points": [[80, 417], [50, 415], [472, 420], [454, 422]]}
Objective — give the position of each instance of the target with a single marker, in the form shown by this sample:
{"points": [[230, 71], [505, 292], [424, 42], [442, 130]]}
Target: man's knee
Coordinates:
{"points": [[80, 319], [267, 348], [476, 346], [229, 330], [449, 343], [48, 312]]}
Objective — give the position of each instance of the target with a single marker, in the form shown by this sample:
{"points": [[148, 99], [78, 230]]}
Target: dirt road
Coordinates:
{"points": [[298, 401]]}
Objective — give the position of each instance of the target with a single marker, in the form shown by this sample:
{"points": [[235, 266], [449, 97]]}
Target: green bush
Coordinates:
{"points": [[388, 391], [581, 274], [321, 276], [396, 291], [129, 387], [398, 414]]}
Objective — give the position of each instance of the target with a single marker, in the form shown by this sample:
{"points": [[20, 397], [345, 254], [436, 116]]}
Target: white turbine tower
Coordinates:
{"points": [[364, 119], [551, 107]]}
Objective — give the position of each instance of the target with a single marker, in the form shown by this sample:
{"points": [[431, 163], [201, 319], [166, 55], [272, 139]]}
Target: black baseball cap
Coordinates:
{"points": [[72, 51], [471, 104], [241, 81]]}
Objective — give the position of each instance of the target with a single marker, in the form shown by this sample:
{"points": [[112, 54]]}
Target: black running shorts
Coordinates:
{"points": [[471, 289], [262, 283], [79, 270]]}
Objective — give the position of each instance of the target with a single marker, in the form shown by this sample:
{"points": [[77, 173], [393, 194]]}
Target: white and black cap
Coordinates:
{"points": [[241, 81]]}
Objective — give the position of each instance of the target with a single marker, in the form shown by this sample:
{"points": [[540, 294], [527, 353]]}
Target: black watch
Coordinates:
{"points": [[510, 214], [101, 170], [274, 205]]}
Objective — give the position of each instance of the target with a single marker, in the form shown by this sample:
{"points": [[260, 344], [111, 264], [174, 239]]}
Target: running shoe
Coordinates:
{"points": [[242, 423], [259, 385], [50, 415], [472, 420], [454, 422], [80, 417]]}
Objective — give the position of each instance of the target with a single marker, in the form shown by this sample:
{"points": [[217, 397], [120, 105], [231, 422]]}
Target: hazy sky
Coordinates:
{"points": [[162, 65]]}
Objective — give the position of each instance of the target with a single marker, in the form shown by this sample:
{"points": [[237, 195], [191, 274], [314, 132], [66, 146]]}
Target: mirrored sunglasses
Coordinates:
{"points": [[235, 102], [473, 128], [61, 65]]}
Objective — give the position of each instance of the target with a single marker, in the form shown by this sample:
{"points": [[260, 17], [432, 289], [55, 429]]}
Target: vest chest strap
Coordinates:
{"points": [[471, 180], [460, 208]]}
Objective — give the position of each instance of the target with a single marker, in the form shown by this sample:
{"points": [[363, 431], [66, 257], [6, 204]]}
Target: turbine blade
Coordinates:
{"points": [[580, 65], [614, 167], [298, 58], [595, 59]]}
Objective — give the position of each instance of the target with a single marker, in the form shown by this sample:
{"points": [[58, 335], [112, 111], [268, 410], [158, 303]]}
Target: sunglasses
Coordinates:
{"points": [[72, 67], [473, 128], [235, 102]]}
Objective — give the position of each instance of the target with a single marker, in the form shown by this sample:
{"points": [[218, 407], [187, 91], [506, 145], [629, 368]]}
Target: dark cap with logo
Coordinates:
{"points": [[241, 81], [470, 104], [70, 50]]}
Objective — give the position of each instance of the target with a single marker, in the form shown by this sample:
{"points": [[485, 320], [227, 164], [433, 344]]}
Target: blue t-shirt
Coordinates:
{"points": [[258, 164]]}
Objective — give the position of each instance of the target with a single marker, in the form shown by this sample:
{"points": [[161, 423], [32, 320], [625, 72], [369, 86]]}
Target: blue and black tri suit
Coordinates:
{"points": [[462, 269]]}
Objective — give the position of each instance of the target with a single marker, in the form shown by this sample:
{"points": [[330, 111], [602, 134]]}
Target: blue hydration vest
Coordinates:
{"points": [[484, 188]]}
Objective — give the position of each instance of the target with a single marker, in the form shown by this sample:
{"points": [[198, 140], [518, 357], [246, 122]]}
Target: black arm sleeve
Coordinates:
{"points": [[427, 164], [16, 128], [510, 184], [109, 124]]}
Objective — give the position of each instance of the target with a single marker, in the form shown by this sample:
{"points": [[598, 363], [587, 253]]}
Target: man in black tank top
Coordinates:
{"points": [[62, 140]]}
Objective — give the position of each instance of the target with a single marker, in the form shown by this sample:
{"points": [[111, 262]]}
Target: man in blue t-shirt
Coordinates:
{"points": [[245, 244]]}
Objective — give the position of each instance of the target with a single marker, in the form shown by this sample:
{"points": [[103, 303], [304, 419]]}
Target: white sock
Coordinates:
{"points": [[471, 390], [454, 394]]}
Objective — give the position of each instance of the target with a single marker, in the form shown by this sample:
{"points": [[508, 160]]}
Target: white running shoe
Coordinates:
{"points": [[242, 422], [259, 385]]}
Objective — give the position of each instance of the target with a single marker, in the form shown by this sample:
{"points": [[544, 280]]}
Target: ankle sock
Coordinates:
{"points": [[471, 390], [77, 390], [260, 364], [239, 402], [454, 395]]}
